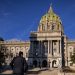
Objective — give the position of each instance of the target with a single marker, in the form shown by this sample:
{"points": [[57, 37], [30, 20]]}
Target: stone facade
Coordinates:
{"points": [[48, 46], [12, 48], [47, 43]]}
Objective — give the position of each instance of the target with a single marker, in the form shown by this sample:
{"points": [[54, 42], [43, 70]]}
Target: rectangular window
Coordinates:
{"points": [[58, 27], [71, 64], [54, 50], [52, 27], [26, 55], [70, 54], [54, 43], [46, 46], [43, 27]]}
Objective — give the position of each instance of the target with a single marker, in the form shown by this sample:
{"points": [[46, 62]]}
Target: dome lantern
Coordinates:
{"points": [[50, 9]]}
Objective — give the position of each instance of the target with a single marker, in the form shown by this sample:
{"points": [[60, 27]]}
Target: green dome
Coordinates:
{"points": [[50, 22]]}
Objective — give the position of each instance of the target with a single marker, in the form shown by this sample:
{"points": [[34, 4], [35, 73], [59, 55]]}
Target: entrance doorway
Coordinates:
{"points": [[44, 63], [35, 63], [54, 65]]}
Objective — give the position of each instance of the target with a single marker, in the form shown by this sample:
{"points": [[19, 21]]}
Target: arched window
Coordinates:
{"points": [[43, 27], [58, 27], [48, 26], [52, 27]]}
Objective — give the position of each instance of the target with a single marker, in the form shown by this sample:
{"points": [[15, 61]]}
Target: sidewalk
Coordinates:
{"points": [[7, 72], [38, 71], [32, 71], [35, 71]]}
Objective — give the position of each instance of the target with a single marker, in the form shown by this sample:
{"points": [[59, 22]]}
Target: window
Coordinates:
{"points": [[11, 55], [70, 48], [53, 16], [71, 64], [7, 49], [52, 27], [70, 54], [54, 49], [58, 27], [54, 43], [44, 28], [3, 49], [48, 26], [12, 49], [60, 22], [64, 45], [26, 54], [46, 46]]}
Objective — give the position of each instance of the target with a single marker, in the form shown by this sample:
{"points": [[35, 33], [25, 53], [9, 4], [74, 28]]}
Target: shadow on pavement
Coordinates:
{"points": [[33, 72], [7, 70], [6, 74]]}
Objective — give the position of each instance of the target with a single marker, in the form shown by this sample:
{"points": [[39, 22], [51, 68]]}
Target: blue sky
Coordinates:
{"points": [[19, 17]]}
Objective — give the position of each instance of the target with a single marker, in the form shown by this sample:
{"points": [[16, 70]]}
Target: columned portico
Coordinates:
{"points": [[46, 50], [54, 58]]}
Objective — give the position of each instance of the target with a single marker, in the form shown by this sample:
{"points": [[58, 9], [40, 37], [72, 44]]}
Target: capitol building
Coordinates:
{"points": [[47, 47]]}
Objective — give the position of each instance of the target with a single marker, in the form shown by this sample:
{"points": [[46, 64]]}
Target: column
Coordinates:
{"points": [[31, 46], [60, 47], [49, 44], [39, 60], [41, 53], [60, 54], [39, 49], [48, 47], [52, 47], [51, 64], [10, 54]]}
